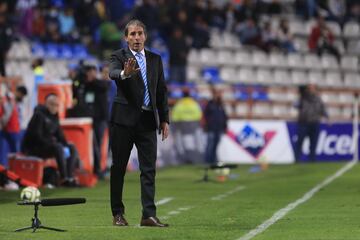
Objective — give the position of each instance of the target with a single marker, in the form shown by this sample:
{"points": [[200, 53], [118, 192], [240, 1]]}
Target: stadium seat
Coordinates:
{"points": [[332, 79], [301, 44], [38, 50], [316, 77], [282, 77], [241, 109], [339, 44], [329, 97], [243, 58], [246, 75], [352, 80], [329, 62], [211, 74], [350, 63], [295, 60], [192, 73], [79, 51], [261, 110], [65, 51], [334, 112], [353, 47], [260, 59], [351, 30], [277, 60], [228, 74], [312, 61], [335, 28], [299, 77], [264, 76], [51, 51], [347, 113], [225, 57], [193, 57], [208, 57], [346, 97], [279, 110]]}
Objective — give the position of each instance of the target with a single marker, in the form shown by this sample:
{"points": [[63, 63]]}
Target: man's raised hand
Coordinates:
{"points": [[129, 67]]}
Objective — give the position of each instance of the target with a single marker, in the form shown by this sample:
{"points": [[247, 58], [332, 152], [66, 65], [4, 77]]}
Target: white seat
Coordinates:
{"points": [[246, 75], [351, 30], [243, 58], [301, 45], [350, 63], [347, 113], [193, 56], [316, 77], [229, 109], [339, 44], [295, 60], [334, 112], [279, 110], [277, 60], [299, 77], [353, 47], [352, 80], [335, 28], [345, 97], [298, 27], [333, 79], [241, 109], [312, 61], [260, 59], [329, 62], [329, 97], [208, 57], [192, 73], [261, 109], [282, 77], [225, 57], [228, 74], [264, 76]]}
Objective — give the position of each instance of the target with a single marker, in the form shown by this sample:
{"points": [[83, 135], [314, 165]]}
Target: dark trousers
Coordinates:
{"points": [[143, 135], [213, 139], [310, 130], [2, 65], [12, 140], [66, 166], [99, 129]]}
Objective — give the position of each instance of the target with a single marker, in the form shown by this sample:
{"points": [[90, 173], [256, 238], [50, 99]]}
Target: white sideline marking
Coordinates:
{"points": [[224, 195], [176, 212], [163, 201], [282, 212]]}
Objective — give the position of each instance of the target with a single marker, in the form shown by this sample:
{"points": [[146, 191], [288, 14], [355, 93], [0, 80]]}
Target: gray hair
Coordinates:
{"points": [[134, 22]]}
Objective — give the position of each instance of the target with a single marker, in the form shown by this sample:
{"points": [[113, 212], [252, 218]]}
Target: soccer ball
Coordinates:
{"points": [[30, 194]]}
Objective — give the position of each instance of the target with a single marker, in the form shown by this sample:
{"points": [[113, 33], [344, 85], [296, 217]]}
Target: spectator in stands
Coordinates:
{"points": [[44, 138], [321, 39], [306, 8], [67, 25], [178, 56], [311, 111], [215, 124], [337, 11], [268, 38], [285, 37], [9, 120], [92, 98], [248, 10], [38, 24], [5, 39], [353, 10], [201, 33], [248, 32]]}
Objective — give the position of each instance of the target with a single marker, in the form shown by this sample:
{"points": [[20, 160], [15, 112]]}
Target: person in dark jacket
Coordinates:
{"points": [[91, 96], [311, 111], [44, 138], [215, 125]]}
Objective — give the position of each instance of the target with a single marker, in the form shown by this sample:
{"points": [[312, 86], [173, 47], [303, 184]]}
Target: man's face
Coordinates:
{"points": [[52, 104], [136, 38]]}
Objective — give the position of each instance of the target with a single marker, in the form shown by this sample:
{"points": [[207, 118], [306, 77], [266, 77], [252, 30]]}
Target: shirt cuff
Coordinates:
{"points": [[122, 75]]}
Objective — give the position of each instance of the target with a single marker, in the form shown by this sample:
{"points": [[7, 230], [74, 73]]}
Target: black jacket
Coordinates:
{"points": [[43, 131], [126, 109]]}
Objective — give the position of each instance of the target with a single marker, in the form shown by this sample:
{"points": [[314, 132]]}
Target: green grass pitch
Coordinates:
{"points": [[240, 204]]}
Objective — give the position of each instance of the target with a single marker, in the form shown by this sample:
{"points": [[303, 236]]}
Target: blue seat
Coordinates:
{"points": [[52, 50], [79, 51], [260, 94], [65, 51], [211, 75], [38, 50]]}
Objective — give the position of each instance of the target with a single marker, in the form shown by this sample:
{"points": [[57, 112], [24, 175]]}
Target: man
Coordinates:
{"points": [[139, 108], [91, 97], [44, 138], [215, 125], [311, 111]]}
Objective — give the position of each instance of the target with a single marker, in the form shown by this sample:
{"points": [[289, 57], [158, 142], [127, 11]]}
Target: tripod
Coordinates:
{"points": [[36, 224]]}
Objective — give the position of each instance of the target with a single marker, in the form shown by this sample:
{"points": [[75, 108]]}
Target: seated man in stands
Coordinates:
{"points": [[44, 138]]}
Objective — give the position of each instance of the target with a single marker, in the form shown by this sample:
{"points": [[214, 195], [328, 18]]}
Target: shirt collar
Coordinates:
{"points": [[142, 52]]}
